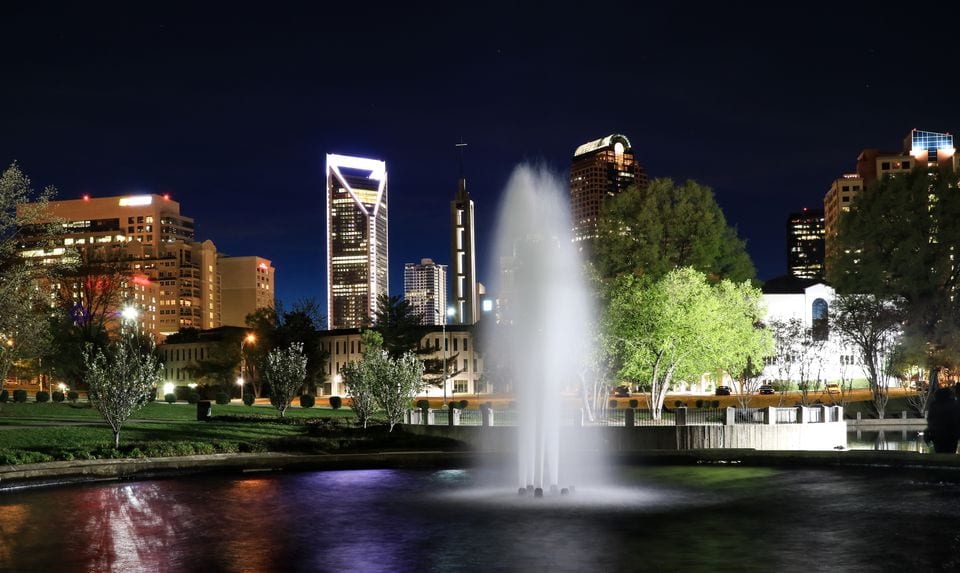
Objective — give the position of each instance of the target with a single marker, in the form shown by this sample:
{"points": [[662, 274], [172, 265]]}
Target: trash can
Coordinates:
{"points": [[204, 411]]}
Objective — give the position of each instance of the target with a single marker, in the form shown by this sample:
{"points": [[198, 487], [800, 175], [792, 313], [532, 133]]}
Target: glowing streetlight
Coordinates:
{"points": [[129, 313], [443, 329], [251, 339]]}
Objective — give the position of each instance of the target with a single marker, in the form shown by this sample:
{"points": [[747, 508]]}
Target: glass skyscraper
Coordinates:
{"points": [[356, 239]]}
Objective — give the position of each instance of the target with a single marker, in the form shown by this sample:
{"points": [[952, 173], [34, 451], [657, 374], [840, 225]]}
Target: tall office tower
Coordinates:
{"points": [[600, 169], [425, 289], [838, 200], [139, 251], [356, 239], [805, 244], [921, 150], [464, 301], [247, 283]]}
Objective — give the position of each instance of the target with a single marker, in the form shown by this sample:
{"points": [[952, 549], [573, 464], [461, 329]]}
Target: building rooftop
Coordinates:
{"points": [[602, 143]]}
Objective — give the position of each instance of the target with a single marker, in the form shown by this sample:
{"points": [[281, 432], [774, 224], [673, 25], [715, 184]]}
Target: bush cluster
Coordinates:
{"points": [[58, 396], [43, 396], [4, 396], [223, 398], [336, 402], [193, 398], [170, 398], [249, 399], [423, 404], [20, 396], [73, 396], [307, 400]]}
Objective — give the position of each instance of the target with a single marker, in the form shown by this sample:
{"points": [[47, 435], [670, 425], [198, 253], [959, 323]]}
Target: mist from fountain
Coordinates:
{"points": [[545, 313]]}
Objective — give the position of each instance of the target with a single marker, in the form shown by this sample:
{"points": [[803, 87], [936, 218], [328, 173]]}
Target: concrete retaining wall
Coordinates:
{"points": [[824, 436]]}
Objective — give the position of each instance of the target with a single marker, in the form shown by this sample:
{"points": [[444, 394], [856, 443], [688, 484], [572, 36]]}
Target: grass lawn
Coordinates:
{"points": [[11, 412]]}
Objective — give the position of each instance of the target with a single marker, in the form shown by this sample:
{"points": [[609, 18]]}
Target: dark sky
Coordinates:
{"points": [[231, 109]]}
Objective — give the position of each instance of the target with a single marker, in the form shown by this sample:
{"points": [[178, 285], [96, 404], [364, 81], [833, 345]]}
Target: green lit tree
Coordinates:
{"points": [[652, 231], [360, 376], [120, 379], [681, 326], [285, 370], [24, 331]]}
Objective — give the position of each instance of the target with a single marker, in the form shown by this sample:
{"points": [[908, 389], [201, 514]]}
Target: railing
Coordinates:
{"points": [[617, 417]]}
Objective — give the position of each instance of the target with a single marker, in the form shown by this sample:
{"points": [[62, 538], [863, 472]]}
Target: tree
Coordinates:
{"points": [[120, 380], [663, 227], [360, 376], [798, 354], [396, 382], [23, 310], [400, 328], [872, 324], [898, 242], [285, 370], [278, 328], [680, 326], [747, 382]]}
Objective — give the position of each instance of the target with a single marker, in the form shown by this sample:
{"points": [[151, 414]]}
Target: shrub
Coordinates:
{"points": [[463, 404], [73, 396], [249, 399], [715, 404], [679, 404], [170, 398], [223, 398], [43, 396], [307, 400], [699, 403], [4, 396], [423, 404], [336, 402], [453, 405], [20, 396], [634, 403], [612, 404], [57, 396], [193, 398]]}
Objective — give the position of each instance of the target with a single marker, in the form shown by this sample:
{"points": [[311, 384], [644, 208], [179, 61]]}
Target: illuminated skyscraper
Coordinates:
{"points": [[921, 150], [356, 239], [601, 168], [805, 244], [425, 289], [464, 299]]}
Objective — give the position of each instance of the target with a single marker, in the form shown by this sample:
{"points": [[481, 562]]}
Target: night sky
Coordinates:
{"points": [[231, 110]]}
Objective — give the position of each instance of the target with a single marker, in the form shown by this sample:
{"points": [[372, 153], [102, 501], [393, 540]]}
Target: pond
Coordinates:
{"points": [[887, 438], [702, 518]]}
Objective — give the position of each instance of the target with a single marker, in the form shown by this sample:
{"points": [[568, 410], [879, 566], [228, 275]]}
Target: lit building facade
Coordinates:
{"points": [[921, 150], [805, 254], [464, 295], [600, 169], [425, 290], [357, 248], [454, 343], [247, 283], [169, 278]]}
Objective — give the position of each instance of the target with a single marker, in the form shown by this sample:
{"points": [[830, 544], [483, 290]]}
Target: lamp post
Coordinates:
{"points": [[443, 329], [129, 314], [243, 361]]}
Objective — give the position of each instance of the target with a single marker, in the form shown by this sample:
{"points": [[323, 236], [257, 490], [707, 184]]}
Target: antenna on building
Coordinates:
{"points": [[460, 146]]}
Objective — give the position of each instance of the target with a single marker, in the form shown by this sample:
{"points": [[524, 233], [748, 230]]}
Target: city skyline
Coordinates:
{"points": [[233, 117]]}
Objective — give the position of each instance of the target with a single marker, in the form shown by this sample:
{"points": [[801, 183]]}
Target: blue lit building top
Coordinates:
{"points": [[930, 143]]}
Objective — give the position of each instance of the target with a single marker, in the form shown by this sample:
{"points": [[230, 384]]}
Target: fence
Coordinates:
{"points": [[632, 417]]}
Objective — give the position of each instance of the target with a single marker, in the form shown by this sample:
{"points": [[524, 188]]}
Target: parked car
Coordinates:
{"points": [[723, 391], [766, 389], [832, 388]]}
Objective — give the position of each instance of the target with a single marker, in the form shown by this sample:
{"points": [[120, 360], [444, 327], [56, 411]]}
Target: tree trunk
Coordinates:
{"points": [[116, 439]]}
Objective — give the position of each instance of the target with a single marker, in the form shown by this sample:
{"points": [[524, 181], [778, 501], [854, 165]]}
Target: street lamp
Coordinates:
{"points": [[243, 361], [129, 314], [443, 329]]}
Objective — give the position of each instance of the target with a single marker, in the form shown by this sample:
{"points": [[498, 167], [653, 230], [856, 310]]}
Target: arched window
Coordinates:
{"points": [[821, 319]]}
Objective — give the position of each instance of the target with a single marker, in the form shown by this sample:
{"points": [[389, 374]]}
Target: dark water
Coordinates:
{"points": [[657, 519]]}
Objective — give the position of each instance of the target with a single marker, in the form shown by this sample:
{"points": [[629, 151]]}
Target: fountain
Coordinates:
{"points": [[545, 320]]}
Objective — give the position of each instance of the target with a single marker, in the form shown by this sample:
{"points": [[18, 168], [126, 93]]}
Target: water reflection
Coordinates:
{"points": [[691, 518], [890, 438]]}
